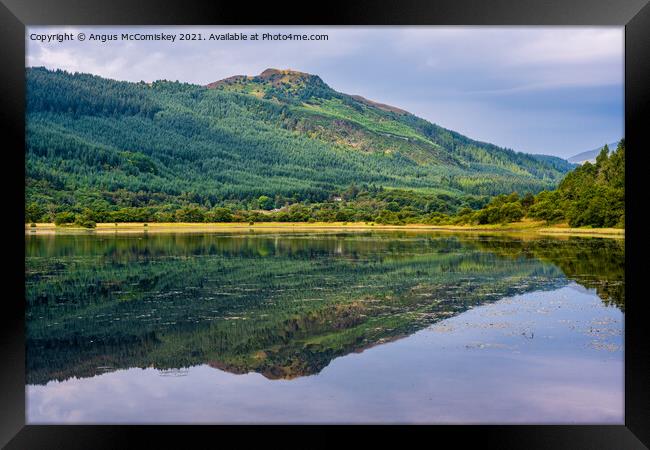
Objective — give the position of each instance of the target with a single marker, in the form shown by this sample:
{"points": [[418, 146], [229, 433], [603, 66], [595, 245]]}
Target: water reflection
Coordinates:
{"points": [[539, 357], [282, 305]]}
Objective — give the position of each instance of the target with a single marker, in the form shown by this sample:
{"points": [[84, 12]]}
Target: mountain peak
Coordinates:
{"points": [[291, 83], [273, 73], [276, 78], [284, 77]]}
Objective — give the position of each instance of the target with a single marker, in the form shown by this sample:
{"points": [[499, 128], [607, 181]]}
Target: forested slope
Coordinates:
{"points": [[104, 147], [592, 195]]}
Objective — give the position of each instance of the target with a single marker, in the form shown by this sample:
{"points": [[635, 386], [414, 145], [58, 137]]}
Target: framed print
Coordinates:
{"points": [[415, 214]]}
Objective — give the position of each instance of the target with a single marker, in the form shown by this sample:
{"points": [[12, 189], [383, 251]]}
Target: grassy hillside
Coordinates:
{"points": [[101, 146]]}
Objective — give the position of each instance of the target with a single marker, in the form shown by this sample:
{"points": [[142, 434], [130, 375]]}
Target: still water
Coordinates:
{"points": [[363, 327]]}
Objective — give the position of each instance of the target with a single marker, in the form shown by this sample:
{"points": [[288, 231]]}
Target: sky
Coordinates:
{"points": [[549, 90]]}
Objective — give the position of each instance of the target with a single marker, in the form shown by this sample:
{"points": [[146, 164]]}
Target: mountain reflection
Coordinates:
{"points": [[282, 305]]}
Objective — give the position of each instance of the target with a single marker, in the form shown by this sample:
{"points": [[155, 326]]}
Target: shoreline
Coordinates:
{"points": [[176, 227]]}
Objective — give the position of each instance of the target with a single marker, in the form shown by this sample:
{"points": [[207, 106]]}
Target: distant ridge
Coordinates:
{"points": [[590, 155]]}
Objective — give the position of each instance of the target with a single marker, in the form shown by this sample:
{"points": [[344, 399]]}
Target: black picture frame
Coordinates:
{"points": [[16, 14]]}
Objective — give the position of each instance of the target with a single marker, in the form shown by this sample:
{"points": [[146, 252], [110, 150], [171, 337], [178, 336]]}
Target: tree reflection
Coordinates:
{"points": [[280, 305]]}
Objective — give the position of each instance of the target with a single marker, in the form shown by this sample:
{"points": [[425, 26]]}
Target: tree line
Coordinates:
{"points": [[591, 195]]}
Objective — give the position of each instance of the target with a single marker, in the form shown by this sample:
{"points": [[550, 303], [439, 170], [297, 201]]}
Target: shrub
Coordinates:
{"points": [[219, 215], [64, 218], [190, 214]]}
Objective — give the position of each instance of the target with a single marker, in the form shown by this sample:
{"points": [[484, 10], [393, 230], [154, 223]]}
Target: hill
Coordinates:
{"points": [[104, 145]]}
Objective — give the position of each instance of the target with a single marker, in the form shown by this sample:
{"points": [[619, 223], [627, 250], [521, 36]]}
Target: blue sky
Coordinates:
{"points": [[552, 90]]}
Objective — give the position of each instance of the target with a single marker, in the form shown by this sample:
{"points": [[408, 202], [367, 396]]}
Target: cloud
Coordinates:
{"points": [[491, 83], [515, 58], [568, 46]]}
